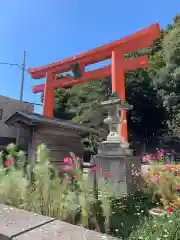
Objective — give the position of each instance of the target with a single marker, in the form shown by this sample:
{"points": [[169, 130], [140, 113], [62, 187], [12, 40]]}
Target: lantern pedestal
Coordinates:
{"points": [[115, 162]]}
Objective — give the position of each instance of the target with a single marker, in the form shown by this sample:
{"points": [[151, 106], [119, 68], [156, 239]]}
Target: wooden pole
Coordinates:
{"points": [[22, 78], [21, 92]]}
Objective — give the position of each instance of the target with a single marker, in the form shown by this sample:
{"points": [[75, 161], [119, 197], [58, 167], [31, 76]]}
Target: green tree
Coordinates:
{"points": [[147, 118], [167, 78]]}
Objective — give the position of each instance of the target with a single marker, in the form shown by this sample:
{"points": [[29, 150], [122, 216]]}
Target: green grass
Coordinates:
{"points": [[127, 214], [159, 228]]}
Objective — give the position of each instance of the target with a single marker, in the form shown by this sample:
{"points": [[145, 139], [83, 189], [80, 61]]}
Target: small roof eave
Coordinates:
{"points": [[33, 119], [17, 120]]}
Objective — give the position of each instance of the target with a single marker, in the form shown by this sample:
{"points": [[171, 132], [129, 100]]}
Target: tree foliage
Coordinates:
{"points": [[167, 77]]}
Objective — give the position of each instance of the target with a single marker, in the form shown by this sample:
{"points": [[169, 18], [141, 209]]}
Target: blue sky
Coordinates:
{"points": [[51, 30]]}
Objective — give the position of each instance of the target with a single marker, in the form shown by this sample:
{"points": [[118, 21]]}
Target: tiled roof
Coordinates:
{"points": [[36, 118]]}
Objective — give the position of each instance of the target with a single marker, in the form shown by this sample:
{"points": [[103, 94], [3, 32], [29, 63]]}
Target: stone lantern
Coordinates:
{"points": [[114, 157], [115, 144]]}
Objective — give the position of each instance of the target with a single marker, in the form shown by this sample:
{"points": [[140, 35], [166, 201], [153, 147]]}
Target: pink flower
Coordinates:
{"points": [[153, 158], [93, 169], [160, 153], [8, 162], [66, 168], [148, 158], [65, 180], [73, 178], [157, 181], [154, 177], [78, 158], [68, 160], [170, 209], [109, 175]]}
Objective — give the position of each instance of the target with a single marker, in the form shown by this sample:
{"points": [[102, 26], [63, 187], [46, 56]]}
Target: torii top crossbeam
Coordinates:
{"points": [[114, 50]]}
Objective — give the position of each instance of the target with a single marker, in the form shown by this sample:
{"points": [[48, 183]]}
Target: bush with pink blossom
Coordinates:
{"points": [[161, 156]]}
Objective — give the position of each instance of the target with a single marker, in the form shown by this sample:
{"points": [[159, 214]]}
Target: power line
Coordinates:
{"points": [[13, 64], [37, 104], [22, 68]]}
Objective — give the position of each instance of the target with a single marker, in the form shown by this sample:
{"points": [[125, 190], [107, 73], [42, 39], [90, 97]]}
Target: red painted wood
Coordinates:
{"points": [[131, 43], [129, 65], [116, 50]]}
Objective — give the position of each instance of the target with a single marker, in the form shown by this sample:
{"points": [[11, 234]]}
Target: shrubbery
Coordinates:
{"points": [[158, 228], [69, 197], [164, 183], [40, 189]]}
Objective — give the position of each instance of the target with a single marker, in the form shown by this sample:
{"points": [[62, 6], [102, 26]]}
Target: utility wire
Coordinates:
{"points": [[12, 64], [17, 65], [37, 104]]}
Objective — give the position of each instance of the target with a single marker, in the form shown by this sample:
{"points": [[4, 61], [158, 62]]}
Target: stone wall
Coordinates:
{"points": [[18, 224]]}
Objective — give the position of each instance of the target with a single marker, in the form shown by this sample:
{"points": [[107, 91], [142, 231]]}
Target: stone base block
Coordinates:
{"points": [[113, 148], [122, 173]]}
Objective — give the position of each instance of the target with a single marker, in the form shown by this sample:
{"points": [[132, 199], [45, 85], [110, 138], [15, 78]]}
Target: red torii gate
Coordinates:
{"points": [[114, 50]]}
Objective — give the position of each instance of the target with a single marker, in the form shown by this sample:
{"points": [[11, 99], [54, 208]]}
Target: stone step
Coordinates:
{"points": [[17, 224]]}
